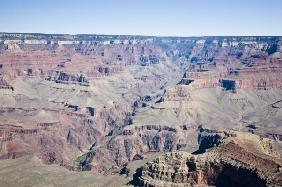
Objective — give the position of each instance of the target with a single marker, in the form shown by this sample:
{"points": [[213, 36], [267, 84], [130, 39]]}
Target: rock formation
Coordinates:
{"points": [[95, 102], [239, 159]]}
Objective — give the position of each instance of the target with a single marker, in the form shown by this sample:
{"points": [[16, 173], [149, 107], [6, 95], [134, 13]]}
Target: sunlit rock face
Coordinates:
{"points": [[232, 162], [94, 102]]}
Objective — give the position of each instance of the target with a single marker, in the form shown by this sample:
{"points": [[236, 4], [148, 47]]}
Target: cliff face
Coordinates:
{"points": [[94, 102], [233, 162]]}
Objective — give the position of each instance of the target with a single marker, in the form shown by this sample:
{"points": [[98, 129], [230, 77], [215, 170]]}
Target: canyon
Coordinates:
{"points": [[142, 110]]}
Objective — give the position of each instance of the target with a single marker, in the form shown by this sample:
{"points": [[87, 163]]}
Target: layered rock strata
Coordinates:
{"points": [[239, 160]]}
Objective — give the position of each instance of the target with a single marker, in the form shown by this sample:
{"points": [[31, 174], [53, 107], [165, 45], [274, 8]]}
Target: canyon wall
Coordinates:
{"points": [[95, 102]]}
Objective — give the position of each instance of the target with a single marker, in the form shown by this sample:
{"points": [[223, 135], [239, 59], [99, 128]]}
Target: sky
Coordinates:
{"points": [[143, 17]]}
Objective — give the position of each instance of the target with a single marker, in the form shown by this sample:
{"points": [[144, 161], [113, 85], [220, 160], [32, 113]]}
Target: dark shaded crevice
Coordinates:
{"points": [[231, 176]]}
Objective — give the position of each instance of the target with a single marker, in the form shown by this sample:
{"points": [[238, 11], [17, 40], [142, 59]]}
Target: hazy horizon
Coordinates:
{"points": [[180, 18]]}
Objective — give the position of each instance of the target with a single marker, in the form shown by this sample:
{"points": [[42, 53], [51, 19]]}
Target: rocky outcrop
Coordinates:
{"points": [[4, 84], [210, 138], [231, 163], [146, 139], [178, 93], [67, 78]]}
